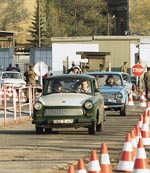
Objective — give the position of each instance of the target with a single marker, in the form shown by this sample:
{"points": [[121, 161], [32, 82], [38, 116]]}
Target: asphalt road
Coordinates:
{"points": [[24, 151]]}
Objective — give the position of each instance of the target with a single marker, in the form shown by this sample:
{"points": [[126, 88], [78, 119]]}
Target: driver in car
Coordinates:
{"points": [[110, 81], [57, 87], [85, 87]]}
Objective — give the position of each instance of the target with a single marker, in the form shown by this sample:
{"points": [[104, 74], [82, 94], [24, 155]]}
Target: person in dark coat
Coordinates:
{"points": [[18, 68], [9, 68], [147, 81]]}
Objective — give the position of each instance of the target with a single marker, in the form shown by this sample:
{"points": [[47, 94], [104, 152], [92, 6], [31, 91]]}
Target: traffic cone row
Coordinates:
{"points": [[133, 157], [94, 166]]}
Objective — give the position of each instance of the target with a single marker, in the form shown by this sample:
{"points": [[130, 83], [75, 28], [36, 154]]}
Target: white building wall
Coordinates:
{"points": [[61, 51]]}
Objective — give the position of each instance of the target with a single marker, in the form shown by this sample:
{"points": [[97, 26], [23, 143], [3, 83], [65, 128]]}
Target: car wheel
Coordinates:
{"points": [[123, 111], [99, 127], [39, 130], [48, 130], [92, 129]]}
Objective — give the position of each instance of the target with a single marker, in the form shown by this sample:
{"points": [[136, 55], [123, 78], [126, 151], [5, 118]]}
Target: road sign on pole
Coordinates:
{"points": [[40, 69], [137, 70]]}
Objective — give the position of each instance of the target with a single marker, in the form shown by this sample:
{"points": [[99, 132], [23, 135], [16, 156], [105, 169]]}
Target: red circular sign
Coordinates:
{"points": [[137, 70]]}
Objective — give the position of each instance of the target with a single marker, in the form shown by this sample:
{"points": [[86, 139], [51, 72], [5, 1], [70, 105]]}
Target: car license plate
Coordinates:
{"points": [[110, 100], [65, 121]]}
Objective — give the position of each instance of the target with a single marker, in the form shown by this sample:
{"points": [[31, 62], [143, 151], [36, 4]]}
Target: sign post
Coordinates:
{"points": [[41, 69], [138, 70]]}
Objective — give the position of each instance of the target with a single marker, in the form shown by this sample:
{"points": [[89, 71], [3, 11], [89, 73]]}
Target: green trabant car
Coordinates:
{"points": [[69, 101]]}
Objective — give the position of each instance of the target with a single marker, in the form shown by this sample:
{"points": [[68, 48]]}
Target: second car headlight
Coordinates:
{"points": [[37, 106], [119, 96], [88, 105]]}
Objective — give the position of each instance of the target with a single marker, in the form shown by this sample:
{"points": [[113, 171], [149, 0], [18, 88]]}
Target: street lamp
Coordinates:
{"points": [[109, 19], [108, 23], [39, 29]]}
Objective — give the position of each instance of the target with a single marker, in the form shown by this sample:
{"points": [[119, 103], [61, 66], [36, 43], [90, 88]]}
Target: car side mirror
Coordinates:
{"points": [[39, 90], [96, 90]]}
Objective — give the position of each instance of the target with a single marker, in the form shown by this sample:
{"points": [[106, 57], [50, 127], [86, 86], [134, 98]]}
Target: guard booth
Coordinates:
{"points": [[94, 59]]}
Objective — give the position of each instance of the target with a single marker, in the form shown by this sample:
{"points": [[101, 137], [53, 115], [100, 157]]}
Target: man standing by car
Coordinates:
{"points": [[30, 76], [30, 79], [147, 80]]}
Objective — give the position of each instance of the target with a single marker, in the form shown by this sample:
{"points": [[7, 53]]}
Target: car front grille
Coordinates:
{"points": [[110, 96], [63, 112]]}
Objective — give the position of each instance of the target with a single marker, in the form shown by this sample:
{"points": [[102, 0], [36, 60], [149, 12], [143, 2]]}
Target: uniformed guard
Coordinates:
{"points": [[124, 67], [147, 81]]}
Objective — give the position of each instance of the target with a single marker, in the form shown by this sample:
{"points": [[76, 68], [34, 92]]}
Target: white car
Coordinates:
{"points": [[12, 79]]}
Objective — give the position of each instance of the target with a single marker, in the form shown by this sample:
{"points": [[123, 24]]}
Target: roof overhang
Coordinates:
{"points": [[92, 54]]}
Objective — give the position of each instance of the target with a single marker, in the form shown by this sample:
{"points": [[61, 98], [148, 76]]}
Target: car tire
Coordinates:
{"points": [[48, 130], [123, 111], [39, 130], [92, 129], [99, 127]]}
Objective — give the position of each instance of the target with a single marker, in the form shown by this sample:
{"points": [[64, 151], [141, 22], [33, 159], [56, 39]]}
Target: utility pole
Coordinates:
{"points": [[108, 23], [39, 29]]}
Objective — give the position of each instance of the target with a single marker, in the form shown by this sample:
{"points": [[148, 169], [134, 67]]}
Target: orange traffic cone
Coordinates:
{"points": [[140, 122], [133, 141], [145, 133], [148, 114], [141, 162], [93, 165], [137, 133], [127, 161], [80, 167], [130, 100], [148, 105], [71, 169], [105, 161], [142, 100]]}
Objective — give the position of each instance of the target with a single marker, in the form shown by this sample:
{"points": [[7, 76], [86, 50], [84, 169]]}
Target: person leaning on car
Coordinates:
{"points": [[110, 81], [147, 80]]}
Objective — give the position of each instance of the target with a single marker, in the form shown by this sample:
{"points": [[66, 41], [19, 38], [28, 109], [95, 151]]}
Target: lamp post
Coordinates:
{"points": [[108, 23], [39, 29]]}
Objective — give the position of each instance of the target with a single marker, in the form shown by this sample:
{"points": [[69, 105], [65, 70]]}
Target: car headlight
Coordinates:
{"points": [[88, 105], [119, 96], [37, 106]]}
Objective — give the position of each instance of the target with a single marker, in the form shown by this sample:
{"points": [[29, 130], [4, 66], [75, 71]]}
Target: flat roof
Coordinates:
{"points": [[86, 53], [7, 32]]}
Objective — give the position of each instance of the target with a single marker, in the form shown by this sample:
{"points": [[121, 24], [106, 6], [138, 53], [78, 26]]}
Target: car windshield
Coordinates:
{"points": [[109, 80], [67, 85], [126, 78], [11, 75]]}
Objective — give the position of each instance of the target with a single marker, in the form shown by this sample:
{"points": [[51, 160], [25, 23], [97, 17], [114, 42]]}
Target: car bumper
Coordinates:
{"points": [[63, 123], [114, 106]]}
